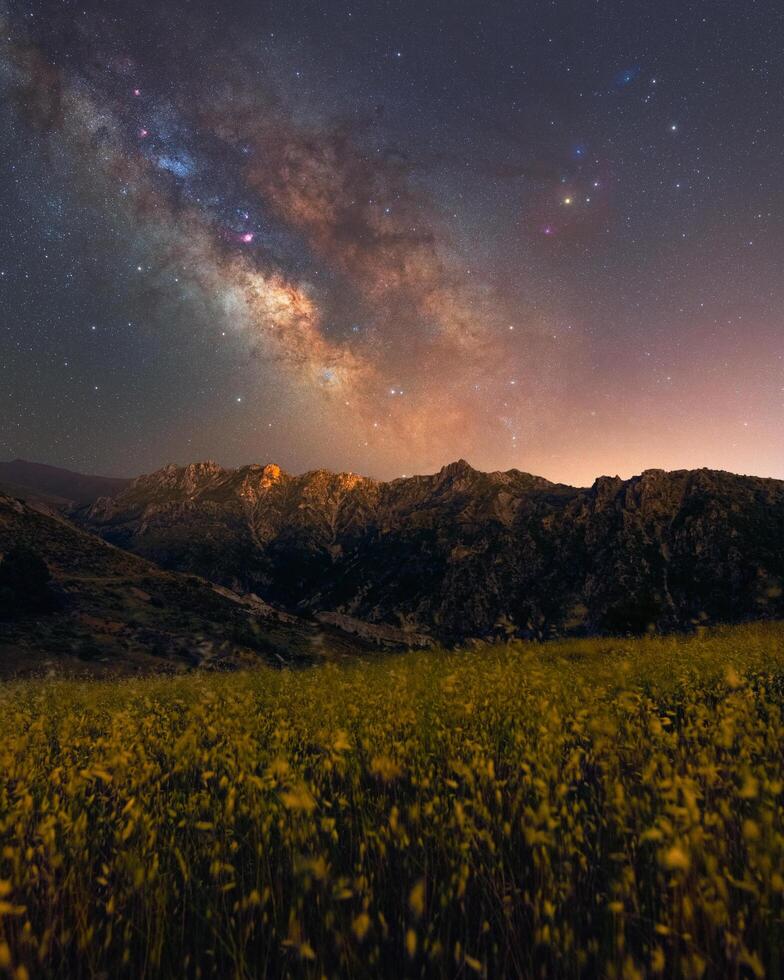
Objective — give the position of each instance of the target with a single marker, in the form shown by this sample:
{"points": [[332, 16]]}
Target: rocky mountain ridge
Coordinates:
{"points": [[463, 554]]}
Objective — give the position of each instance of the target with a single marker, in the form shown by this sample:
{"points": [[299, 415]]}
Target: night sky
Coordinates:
{"points": [[381, 236]]}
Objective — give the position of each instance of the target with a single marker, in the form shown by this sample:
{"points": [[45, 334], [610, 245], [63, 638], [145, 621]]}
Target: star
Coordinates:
{"points": [[626, 77]]}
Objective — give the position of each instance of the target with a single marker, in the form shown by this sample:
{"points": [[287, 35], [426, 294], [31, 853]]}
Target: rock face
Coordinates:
{"points": [[464, 554]]}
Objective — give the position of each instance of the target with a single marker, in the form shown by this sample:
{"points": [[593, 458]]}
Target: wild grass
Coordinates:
{"points": [[594, 808]]}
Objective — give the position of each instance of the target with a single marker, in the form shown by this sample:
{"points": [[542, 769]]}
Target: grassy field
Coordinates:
{"points": [[595, 808]]}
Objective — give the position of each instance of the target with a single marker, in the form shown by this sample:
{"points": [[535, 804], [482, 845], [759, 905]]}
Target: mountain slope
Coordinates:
{"points": [[463, 554], [109, 611], [58, 487]]}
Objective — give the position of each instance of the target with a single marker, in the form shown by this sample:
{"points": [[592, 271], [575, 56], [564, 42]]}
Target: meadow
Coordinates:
{"points": [[589, 808]]}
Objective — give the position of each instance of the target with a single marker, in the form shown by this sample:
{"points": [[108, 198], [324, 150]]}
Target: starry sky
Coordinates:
{"points": [[380, 236]]}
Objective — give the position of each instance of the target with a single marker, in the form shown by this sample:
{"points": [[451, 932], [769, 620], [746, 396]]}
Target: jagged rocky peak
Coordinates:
{"points": [[173, 475], [606, 487], [461, 469], [269, 472], [655, 487], [196, 474], [315, 481], [258, 478], [461, 473], [206, 468], [351, 480]]}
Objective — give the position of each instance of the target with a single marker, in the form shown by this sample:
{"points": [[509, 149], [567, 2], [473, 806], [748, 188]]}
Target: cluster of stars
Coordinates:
{"points": [[422, 244]]}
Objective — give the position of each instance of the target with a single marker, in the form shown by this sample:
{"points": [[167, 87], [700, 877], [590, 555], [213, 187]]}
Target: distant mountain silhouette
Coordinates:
{"points": [[463, 554], [55, 486]]}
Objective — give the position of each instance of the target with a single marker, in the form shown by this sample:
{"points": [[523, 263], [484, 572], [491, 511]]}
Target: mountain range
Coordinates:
{"points": [[52, 485], [463, 554], [200, 564]]}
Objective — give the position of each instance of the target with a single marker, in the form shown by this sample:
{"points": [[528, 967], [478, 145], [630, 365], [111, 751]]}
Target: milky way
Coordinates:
{"points": [[223, 243]]}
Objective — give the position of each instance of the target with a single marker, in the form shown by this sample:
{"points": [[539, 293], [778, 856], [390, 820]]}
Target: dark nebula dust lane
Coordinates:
{"points": [[349, 237]]}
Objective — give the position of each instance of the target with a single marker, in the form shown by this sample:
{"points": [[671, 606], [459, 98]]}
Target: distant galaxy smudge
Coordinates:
{"points": [[322, 255]]}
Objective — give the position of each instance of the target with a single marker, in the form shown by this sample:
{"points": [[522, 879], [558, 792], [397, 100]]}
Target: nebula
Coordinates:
{"points": [[273, 232], [326, 258]]}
